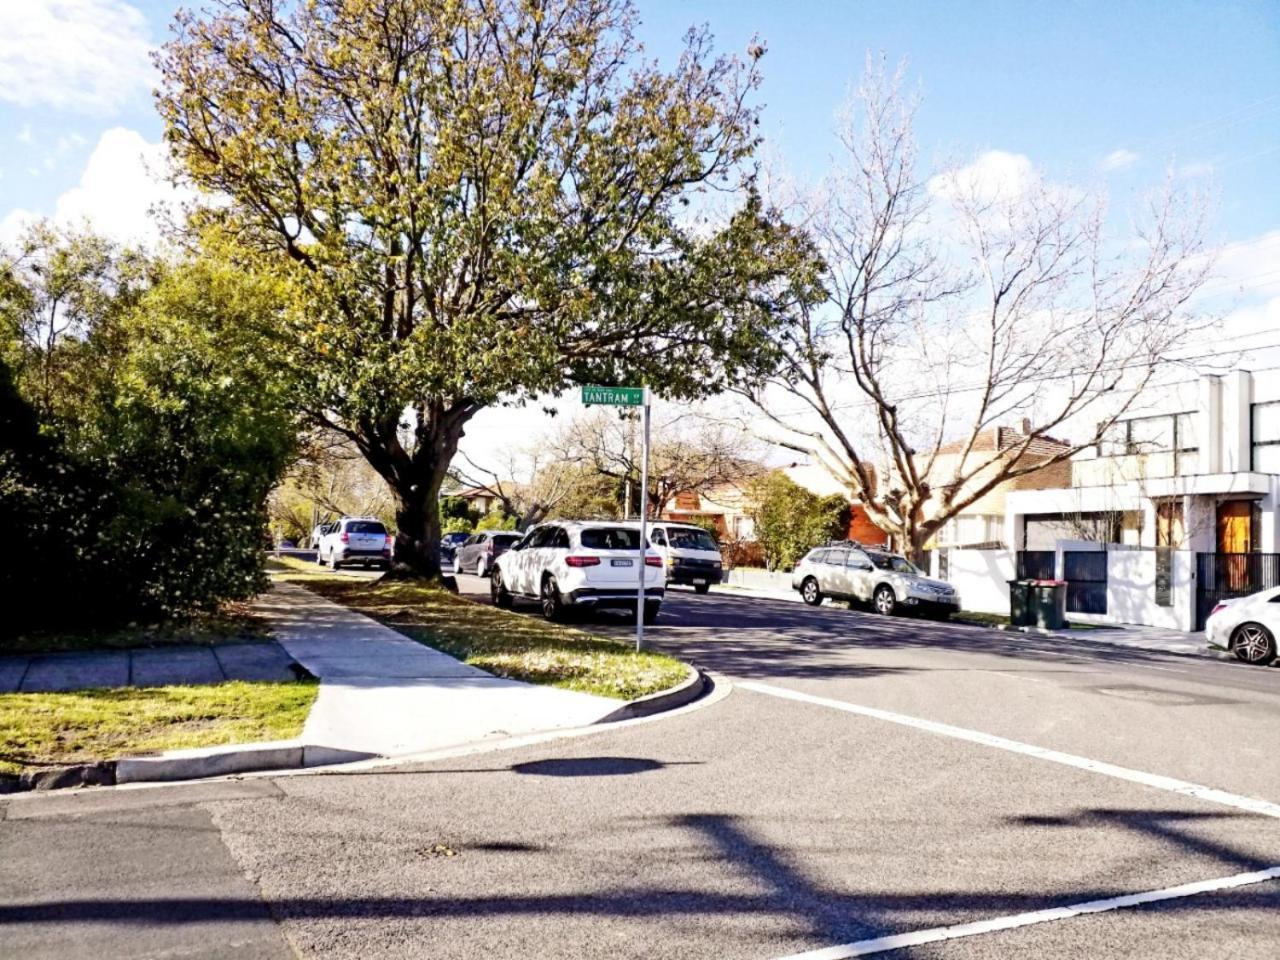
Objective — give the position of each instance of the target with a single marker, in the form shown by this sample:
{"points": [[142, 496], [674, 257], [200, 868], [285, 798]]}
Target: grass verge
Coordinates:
{"points": [[56, 729], [505, 644], [234, 623]]}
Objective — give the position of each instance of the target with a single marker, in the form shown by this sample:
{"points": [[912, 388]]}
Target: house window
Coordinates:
{"points": [[1173, 433], [1265, 434], [1170, 526]]}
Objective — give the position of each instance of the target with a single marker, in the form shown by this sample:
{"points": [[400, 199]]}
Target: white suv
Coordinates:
{"points": [[849, 571], [355, 540], [575, 564]]}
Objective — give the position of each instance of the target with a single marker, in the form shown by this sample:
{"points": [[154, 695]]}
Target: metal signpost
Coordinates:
{"points": [[632, 397]]}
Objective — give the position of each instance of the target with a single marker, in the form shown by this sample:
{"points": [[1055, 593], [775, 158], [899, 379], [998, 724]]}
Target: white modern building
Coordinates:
{"points": [[1178, 506]]}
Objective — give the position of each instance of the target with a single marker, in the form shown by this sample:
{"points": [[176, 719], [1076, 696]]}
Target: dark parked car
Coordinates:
{"points": [[449, 544], [481, 549]]}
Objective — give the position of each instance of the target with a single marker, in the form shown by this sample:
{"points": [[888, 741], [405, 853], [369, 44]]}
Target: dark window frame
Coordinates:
{"points": [[1133, 448]]}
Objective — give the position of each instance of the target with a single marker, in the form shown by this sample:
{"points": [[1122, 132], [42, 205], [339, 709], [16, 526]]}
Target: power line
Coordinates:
{"points": [[937, 395]]}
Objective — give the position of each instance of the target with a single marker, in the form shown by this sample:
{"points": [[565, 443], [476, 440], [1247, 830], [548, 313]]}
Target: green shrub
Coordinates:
{"points": [[137, 491], [789, 520]]}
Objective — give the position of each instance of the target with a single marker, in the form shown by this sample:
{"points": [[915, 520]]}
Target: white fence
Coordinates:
{"points": [[981, 578], [1131, 590]]}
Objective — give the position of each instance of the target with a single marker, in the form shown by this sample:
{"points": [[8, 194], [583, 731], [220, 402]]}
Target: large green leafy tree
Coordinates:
{"points": [[478, 201]]}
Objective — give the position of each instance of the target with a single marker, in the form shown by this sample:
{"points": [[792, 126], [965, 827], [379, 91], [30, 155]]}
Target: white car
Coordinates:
{"points": [[318, 532], [579, 565], [690, 554], [849, 571], [362, 540], [1247, 626]]}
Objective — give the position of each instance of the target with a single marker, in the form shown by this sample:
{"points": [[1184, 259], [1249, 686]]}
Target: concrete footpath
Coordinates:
{"points": [[146, 667], [383, 693]]}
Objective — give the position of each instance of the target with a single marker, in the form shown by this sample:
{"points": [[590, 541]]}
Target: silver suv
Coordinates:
{"points": [[362, 540], [849, 571]]}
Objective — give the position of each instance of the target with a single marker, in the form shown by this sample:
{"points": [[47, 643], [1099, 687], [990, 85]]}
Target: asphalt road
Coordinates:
{"points": [[852, 778]]}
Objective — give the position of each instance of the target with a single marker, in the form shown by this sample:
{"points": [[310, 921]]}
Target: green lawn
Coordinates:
{"points": [[506, 644], [52, 729], [232, 624]]}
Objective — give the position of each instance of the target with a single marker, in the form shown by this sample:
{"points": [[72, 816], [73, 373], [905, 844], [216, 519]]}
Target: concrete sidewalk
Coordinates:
{"points": [[145, 667], [383, 693]]}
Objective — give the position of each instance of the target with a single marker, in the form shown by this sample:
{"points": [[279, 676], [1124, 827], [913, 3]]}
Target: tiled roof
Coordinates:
{"points": [[1002, 438]]}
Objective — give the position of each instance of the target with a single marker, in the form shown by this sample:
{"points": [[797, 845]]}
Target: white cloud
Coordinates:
{"points": [[25, 135], [995, 175], [1197, 168], [78, 54], [1119, 160], [1249, 268], [122, 189]]}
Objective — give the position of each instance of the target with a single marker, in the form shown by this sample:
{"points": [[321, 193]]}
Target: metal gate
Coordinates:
{"points": [[1221, 576], [1035, 565], [1086, 574]]}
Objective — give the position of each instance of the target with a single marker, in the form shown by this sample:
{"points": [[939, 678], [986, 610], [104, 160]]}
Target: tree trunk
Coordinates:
{"points": [[415, 480], [417, 552]]}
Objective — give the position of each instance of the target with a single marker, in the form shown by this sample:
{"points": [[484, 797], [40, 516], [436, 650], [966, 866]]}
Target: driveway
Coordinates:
{"points": [[855, 786]]}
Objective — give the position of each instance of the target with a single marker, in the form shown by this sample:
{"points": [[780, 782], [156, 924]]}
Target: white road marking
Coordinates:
{"points": [[898, 941], [1183, 787], [1017, 676]]}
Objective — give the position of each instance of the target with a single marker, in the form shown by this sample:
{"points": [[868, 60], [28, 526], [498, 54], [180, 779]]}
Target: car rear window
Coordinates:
{"points": [[366, 526], [610, 538], [507, 538]]}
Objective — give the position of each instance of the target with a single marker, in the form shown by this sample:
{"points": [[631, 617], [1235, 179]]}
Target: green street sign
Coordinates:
{"points": [[614, 396]]}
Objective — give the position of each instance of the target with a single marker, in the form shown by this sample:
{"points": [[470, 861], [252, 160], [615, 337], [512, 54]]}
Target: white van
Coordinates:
{"points": [[689, 554]]}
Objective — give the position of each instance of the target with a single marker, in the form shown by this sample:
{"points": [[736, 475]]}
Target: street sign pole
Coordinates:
{"points": [[632, 397], [644, 522]]}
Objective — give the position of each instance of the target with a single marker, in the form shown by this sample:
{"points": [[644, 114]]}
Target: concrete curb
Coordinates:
{"points": [[199, 763], [688, 691], [203, 763]]}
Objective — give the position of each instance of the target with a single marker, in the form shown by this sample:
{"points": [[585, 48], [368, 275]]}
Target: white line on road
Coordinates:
{"points": [[1196, 790], [899, 941]]}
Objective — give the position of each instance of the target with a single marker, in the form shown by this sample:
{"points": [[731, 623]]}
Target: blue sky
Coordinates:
{"points": [[1065, 83], [1112, 94]]}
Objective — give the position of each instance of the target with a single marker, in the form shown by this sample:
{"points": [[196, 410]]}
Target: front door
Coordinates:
{"points": [[1234, 523], [1235, 538]]}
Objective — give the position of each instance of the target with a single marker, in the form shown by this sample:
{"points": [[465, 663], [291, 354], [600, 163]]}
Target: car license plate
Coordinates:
{"points": [[622, 563], [699, 582]]}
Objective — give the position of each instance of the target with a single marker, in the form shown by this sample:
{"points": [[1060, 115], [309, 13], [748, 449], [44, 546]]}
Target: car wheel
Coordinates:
{"points": [[480, 571], [552, 605], [457, 566], [651, 614], [1253, 643], [333, 560], [701, 587], [885, 601], [319, 558], [498, 591], [810, 593]]}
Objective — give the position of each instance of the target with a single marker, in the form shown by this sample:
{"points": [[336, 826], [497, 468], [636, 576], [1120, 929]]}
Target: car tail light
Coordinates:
{"points": [[1221, 606], [390, 539], [582, 561], [653, 561], [345, 538]]}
